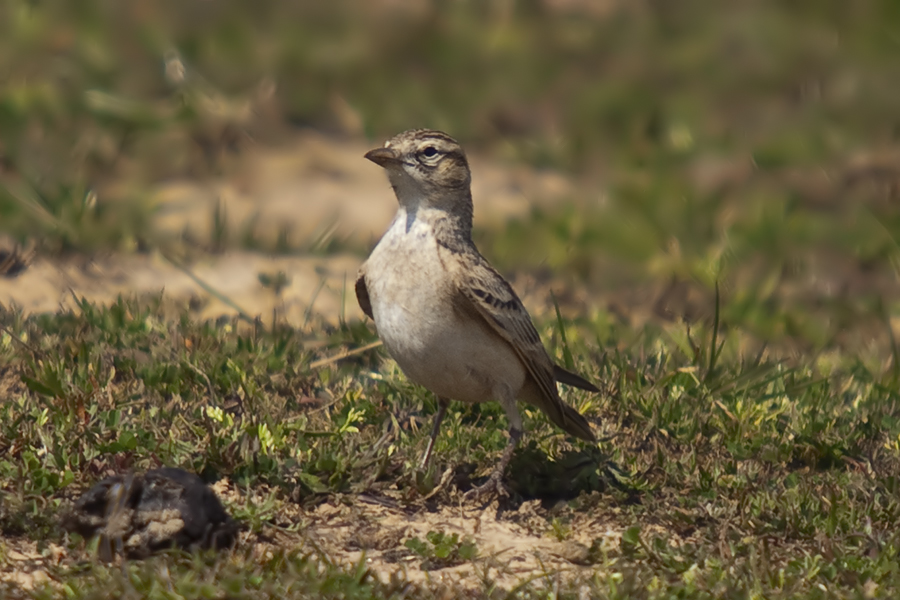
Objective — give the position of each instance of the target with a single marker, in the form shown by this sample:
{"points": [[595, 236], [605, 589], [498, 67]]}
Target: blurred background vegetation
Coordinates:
{"points": [[754, 142]]}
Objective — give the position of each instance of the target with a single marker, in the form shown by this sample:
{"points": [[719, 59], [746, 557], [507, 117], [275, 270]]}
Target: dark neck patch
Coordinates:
{"points": [[454, 232], [411, 218]]}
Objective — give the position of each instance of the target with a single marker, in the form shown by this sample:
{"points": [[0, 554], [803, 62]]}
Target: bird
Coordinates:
{"points": [[452, 323]]}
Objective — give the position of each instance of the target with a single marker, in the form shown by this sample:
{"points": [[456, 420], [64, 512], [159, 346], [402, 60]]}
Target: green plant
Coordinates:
{"points": [[439, 550]]}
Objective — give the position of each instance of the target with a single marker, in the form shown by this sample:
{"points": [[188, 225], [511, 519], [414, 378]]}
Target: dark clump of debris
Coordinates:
{"points": [[137, 515]]}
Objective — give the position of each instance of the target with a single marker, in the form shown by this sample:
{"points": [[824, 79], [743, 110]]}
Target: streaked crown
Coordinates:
{"points": [[431, 160]]}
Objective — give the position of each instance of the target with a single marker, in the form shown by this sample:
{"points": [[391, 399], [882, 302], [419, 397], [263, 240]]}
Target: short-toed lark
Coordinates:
{"points": [[448, 318]]}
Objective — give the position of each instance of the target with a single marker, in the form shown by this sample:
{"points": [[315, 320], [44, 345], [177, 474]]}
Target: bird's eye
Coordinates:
{"points": [[429, 152]]}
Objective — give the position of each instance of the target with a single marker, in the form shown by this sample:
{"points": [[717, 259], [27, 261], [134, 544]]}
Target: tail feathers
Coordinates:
{"points": [[573, 379], [561, 414], [575, 424]]}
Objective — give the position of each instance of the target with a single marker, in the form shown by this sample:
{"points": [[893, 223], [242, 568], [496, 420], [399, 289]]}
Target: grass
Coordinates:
{"points": [[728, 476], [733, 225]]}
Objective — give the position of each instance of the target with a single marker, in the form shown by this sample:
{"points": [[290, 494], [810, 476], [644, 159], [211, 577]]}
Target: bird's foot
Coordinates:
{"points": [[494, 485], [495, 481]]}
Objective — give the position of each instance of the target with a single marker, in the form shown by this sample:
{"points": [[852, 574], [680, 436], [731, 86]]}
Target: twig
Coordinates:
{"points": [[445, 479], [14, 338], [343, 354], [208, 288]]}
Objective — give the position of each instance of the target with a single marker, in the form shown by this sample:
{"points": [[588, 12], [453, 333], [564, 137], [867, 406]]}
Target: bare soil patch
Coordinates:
{"points": [[311, 192]]}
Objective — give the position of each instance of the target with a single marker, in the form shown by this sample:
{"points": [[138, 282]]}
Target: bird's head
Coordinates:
{"points": [[425, 167]]}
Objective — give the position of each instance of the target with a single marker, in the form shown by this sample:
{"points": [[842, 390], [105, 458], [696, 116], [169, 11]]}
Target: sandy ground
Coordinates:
{"points": [[312, 190], [512, 545]]}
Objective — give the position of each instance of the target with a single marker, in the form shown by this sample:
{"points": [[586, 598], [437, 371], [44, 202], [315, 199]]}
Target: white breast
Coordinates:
{"points": [[411, 296]]}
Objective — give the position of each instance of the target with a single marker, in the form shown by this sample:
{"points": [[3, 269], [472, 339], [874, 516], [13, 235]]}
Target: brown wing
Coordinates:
{"points": [[483, 292], [362, 294], [493, 298]]}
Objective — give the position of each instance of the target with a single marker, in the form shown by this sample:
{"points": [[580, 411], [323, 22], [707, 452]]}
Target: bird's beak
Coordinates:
{"points": [[384, 157]]}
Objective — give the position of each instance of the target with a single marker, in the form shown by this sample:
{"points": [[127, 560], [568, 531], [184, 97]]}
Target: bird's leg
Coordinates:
{"points": [[443, 403], [495, 481]]}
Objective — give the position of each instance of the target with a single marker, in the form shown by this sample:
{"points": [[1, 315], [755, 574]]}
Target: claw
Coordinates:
{"points": [[494, 484], [495, 481]]}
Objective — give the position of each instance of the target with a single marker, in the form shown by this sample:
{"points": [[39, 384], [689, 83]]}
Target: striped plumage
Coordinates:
{"points": [[449, 319]]}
